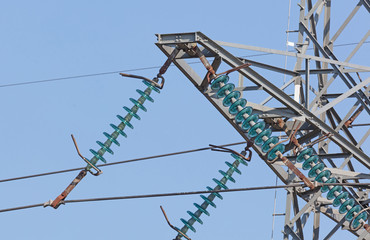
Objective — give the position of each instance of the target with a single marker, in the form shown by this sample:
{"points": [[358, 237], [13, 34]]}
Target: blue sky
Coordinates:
{"points": [[51, 39]]}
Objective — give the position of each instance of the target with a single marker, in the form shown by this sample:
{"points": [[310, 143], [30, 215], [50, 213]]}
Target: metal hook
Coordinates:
{"points": [[173, 227], [98, 171], [247, 148], [153, 82]]}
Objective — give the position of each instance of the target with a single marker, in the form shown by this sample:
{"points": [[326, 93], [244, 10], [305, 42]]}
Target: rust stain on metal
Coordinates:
{"points": [[296, 171], [56, 203], [354, 116]]}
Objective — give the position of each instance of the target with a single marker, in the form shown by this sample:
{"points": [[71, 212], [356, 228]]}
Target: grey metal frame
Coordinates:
{"points": [[320, 115]]}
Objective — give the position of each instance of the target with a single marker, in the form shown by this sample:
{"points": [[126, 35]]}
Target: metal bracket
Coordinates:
{"points": [[98, 171]]}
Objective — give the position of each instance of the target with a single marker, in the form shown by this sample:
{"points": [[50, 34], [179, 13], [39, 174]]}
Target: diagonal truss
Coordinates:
{"points": [[319, 109]]}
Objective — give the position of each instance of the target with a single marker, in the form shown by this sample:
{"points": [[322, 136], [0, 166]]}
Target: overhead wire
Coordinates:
{"points": [[294, 185], [120, 162], [134, 69]]}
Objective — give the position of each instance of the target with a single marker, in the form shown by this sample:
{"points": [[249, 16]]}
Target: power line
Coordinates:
{"points": [[120, 162], [363, 185], [136, 69], [77, 76]]}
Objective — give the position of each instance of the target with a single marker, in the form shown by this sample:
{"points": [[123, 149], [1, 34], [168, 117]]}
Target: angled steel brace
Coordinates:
{"points": [[339, 72], [366, 4], [342, 97], [292, 54], [345, 23]]}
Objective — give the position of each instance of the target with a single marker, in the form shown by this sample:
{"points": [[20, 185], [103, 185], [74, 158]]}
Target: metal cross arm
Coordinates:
{"points": [[272, 90]]}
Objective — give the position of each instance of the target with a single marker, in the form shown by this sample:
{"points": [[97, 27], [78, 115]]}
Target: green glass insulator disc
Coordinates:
{"points": [[331, 193], [139, 105], [107, 149], [227, 176], [266, 146], [337, 201], [149, 85], [246, 123], [227, 100], [192, 215], [253, 131], [307, 164], [111, 138], [235, 169], [222, 92], [240, 116], [312, 173], [201, 209], [272, 154], [216, 84], [320, 176], [209, 202], [215, 193], [146, 96], [220, 184], [234, 107], [131, 113], [301, 156], [357, 222], [343, 207], [187, 224], [239, 159], [118, 130], [98, 156], [127, 123], [259, 139], [326, 188], [351, 213]]}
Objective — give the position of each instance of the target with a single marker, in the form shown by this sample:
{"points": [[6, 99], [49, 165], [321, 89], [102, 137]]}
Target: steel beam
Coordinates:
{"points": [[343, 96], [292, 54], [267, 86], [345, 23], [339, 72]]}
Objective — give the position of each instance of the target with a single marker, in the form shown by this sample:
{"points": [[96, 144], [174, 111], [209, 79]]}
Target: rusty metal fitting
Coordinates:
{"points": [[367, 227], [296, 171], [60, 199], [98, 171], [247, 149], [173, 227], [154, 82], [224, 149], [168, 62], [206, 64]]}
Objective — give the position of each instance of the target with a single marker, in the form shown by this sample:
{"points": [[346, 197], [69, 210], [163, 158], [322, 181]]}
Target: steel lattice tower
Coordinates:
{"points": [[325, 100]]}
